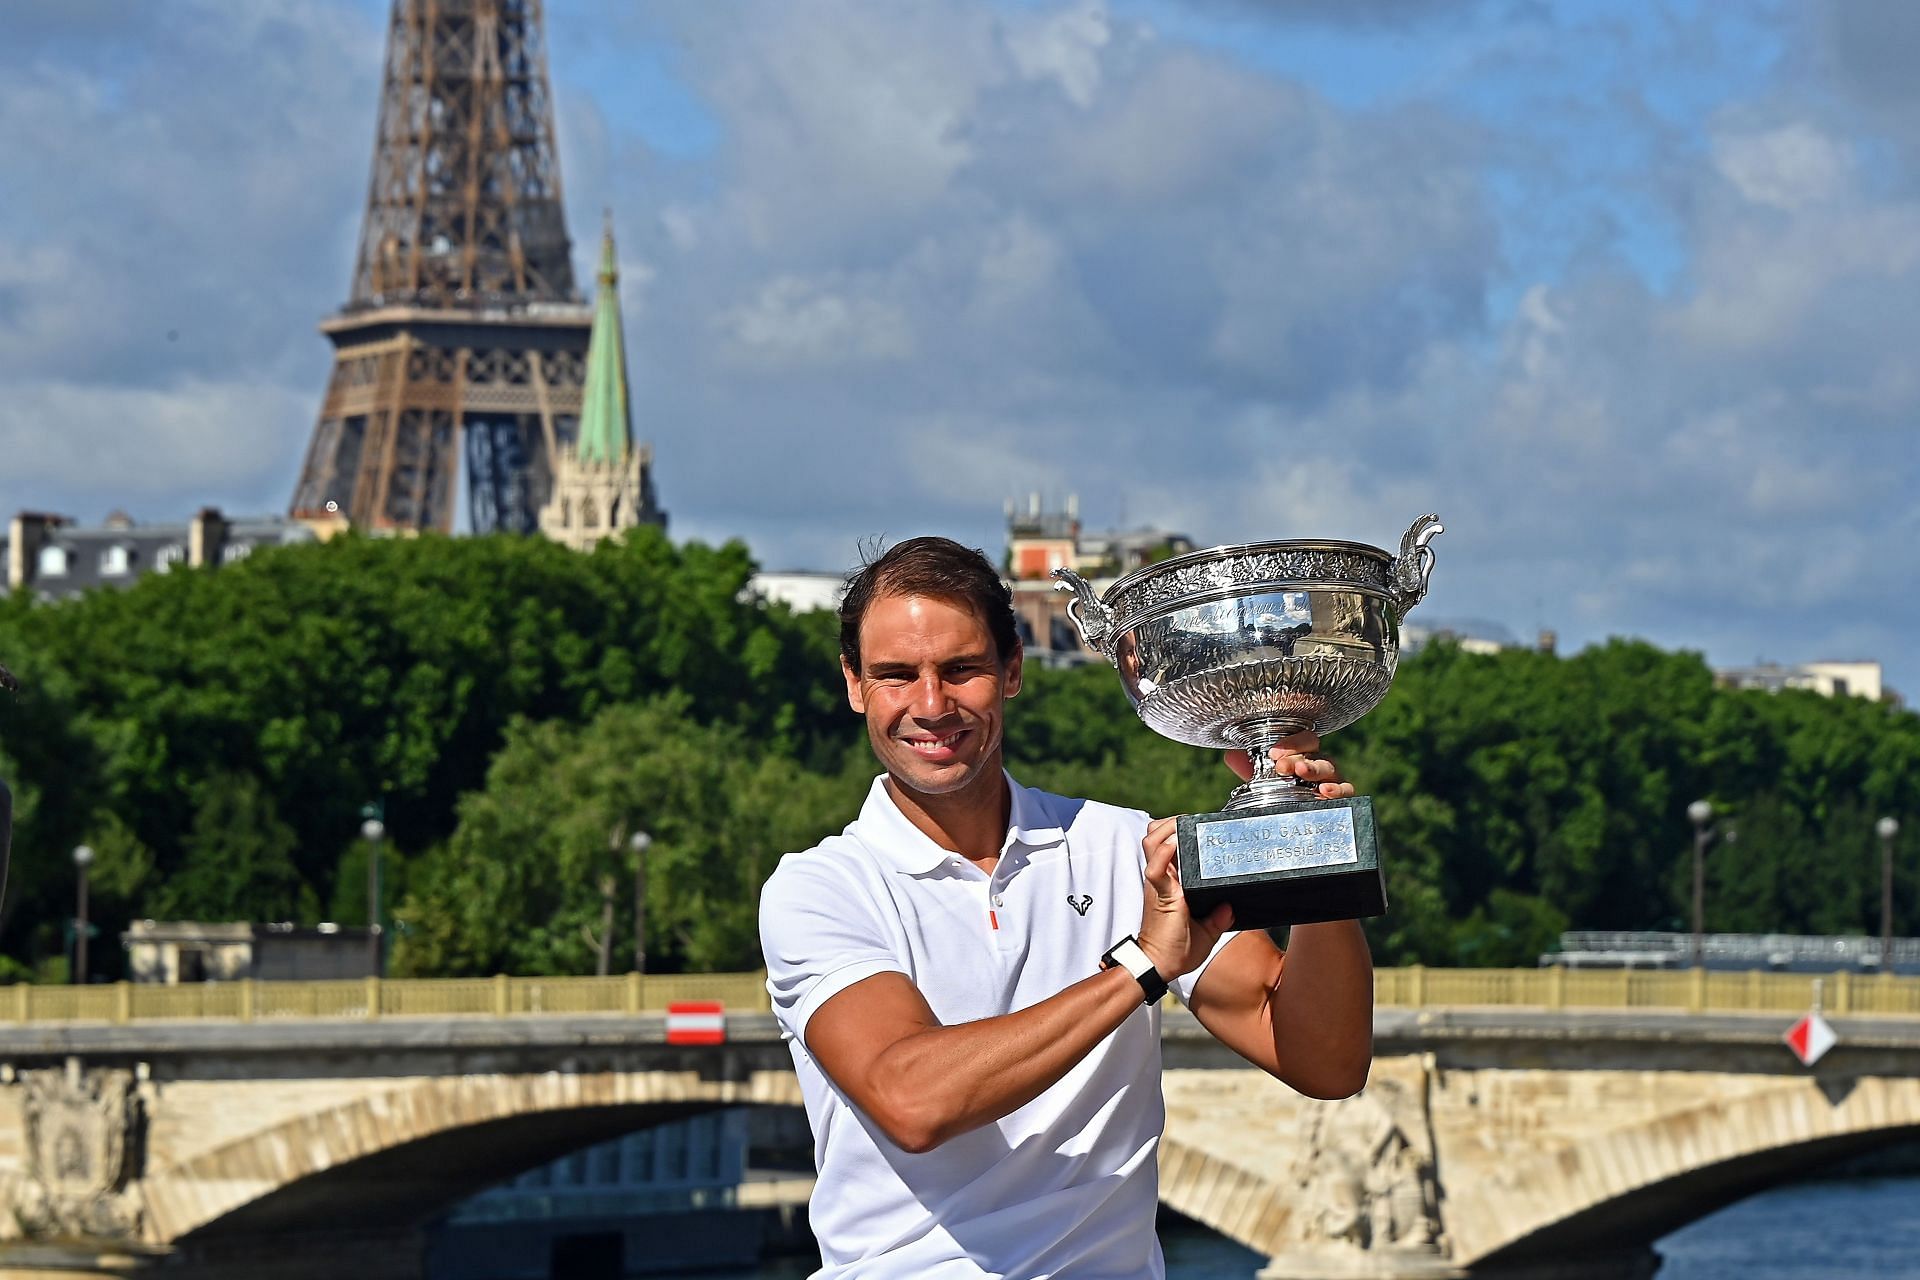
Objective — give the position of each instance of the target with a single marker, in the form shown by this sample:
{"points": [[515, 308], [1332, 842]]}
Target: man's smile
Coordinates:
{"points": [[931, 746]]}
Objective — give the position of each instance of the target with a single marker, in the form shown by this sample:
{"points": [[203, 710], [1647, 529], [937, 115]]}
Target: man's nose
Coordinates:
{"points": [[930, 697]]}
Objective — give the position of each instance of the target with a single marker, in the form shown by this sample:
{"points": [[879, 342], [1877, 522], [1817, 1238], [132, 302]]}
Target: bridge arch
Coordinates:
{"points": [[394, 1157], [1632, 1185], [1245, 1206]]}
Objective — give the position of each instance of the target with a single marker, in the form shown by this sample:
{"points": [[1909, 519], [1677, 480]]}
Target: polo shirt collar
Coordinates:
{"points": [[911, 851]]}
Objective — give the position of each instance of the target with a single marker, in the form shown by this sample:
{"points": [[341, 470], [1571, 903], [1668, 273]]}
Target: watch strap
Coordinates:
{"points": [[1128, 954]]}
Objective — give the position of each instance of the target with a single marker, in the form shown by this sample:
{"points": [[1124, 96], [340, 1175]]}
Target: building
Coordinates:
{"points": [[1781, 952], [1040, 541], [801, 590], [603, 482], [1472, 635], [55, 557], [178, 951], [1828, 679]]}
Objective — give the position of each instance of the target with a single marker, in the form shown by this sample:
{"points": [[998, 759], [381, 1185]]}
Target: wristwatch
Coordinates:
{"points": [[1129, 955]]}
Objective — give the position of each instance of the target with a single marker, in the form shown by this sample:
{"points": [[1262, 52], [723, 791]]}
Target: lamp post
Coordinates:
{"points": [[1887, 828], [638, 842], [82, 859], [372, 830], [1701, 813]]}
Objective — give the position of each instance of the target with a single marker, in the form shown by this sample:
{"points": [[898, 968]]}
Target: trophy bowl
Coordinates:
{"points": [[1242, 646]]}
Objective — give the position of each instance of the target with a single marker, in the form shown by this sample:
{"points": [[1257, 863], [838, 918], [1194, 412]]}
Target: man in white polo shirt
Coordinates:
{"points": [[969, 974]]}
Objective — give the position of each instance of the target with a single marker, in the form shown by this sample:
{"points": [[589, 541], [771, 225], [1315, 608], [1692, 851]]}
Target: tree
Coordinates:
{"points": [[518, 887], [239, 860]]}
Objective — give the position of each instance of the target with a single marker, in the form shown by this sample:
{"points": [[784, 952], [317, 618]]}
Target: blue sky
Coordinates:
{"points": [[1625, 292]]}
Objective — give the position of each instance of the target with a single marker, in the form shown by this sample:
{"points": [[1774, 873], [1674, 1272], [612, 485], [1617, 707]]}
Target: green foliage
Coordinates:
{"points": [[520, 708], [1520, 794], [238, 862], [333, 674], [517, 889]]}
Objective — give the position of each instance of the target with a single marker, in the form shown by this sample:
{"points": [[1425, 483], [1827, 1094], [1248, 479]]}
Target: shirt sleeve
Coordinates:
{"points": [[819, 935], [1183, 985]]}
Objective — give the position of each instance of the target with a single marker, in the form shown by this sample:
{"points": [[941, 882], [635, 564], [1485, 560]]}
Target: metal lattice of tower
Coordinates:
{"points": [[463, 333]]}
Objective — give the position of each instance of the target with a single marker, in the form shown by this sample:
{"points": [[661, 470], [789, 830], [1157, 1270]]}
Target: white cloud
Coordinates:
{"points": [[1788, 167], [1063, 47], [796, 323], [199, 437]]}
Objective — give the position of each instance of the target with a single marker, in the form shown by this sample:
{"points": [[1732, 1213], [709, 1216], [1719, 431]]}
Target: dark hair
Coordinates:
{"points": [[936, 567]]}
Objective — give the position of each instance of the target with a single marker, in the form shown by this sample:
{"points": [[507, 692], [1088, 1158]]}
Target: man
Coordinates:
{"points": [[969, 974]]}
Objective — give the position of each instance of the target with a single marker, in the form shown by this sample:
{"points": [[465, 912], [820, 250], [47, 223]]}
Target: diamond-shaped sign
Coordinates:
{"points": [[1810, 1038]]}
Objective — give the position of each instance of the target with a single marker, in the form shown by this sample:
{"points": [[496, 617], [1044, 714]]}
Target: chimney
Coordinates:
{"points": [[1549, 639], [25, 536], [206, 537]]}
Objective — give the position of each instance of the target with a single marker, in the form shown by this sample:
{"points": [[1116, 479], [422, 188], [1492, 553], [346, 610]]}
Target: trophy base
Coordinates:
{"points": [[1302, 863]]}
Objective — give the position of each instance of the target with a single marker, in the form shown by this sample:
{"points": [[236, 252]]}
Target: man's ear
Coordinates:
{"points": [[856, 698], [1014, 664]]}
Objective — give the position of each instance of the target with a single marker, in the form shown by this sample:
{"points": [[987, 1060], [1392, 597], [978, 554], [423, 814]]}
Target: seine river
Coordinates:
{"points": [[1845, 1229]]}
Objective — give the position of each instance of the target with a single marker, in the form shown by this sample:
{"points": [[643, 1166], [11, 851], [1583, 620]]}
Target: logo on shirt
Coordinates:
{"points": [[1081, 903]]}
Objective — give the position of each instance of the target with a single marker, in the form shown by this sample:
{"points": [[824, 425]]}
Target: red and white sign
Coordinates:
{"points": [[696, 1022], [1810, 1038]]}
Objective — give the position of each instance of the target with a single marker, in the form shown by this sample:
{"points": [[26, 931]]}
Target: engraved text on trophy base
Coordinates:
{"points": [[1277, 842]]}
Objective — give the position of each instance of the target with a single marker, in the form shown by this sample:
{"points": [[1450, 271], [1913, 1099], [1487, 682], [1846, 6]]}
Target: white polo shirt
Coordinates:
{"points": [[1065, 1186]]}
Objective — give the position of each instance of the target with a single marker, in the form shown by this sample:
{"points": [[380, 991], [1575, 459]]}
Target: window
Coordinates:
{"points": [[170, 555], [53, 562], [566, 513], [234, 552], [115, 562], [589, 514]]}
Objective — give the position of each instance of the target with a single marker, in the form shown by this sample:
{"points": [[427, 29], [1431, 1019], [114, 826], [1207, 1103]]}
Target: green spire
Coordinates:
{"points": [[606, 430]]}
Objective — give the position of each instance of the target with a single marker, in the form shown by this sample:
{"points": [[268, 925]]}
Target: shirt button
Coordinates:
{"points": [[999, 901]]}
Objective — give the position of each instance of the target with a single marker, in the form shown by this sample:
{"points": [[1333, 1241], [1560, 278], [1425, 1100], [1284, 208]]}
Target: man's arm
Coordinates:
{"points": [[924, 1083], [1305, 1016]]}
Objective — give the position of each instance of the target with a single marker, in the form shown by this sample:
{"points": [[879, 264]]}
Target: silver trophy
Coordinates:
{"points": [[1243, 646]]}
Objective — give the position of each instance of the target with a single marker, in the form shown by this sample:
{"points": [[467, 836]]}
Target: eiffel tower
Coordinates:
{"points": [[463, 337]]}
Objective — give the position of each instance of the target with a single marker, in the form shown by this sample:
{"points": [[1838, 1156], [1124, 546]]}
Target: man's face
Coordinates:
{"points": [[932, 689]]}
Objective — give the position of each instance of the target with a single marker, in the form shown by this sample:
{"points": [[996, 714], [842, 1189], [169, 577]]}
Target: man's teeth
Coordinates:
{"points": [[935, 744]]}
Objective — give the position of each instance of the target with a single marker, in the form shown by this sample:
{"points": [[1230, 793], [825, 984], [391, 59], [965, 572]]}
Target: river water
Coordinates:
{"points": [[1841, 1229]]}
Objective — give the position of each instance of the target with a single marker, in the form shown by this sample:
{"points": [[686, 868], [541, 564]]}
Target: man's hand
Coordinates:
{"points": [[1169, 934], [1299, 756]]}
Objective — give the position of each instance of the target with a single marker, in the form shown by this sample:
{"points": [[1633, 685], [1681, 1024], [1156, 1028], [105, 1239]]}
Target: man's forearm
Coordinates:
{"points": [[944, 1081], [1321, 1010]]}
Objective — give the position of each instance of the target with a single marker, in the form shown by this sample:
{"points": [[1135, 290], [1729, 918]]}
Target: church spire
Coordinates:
{"points": [[604, 483], [606, 426]]}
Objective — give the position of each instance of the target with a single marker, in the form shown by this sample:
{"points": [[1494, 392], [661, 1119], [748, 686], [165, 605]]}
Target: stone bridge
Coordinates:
{"points": [[1536, 1143]]}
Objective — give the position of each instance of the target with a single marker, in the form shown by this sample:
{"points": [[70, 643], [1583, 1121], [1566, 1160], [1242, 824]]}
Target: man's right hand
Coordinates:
{"points": [[1175, 941]]}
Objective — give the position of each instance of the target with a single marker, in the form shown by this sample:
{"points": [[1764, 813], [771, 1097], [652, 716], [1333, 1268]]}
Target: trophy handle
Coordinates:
{"points": [[1414, 565], [1089, 613]]}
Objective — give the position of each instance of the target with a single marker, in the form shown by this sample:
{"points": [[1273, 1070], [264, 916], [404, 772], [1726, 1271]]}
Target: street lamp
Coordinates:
{"points": [[1701, 814], [82, 859], [639, 842], [372, 830], [1887, 828]]}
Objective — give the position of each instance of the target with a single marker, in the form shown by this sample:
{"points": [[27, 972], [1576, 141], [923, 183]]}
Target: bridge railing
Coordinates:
{"points": [[1684, 990], [1688, 990]]}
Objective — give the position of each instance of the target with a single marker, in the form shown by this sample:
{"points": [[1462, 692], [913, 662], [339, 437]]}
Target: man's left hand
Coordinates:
{"points": [[1299, 756]]}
